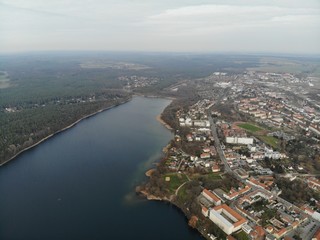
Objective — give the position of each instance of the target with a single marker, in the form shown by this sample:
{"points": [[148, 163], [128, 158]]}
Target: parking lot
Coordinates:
{"points": [[308, 229]]}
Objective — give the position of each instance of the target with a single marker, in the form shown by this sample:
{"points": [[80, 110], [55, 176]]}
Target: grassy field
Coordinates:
{"points": [[250, 127], [241, 236], [273, 142], [182, 194], [210, 176], [176, 179]]}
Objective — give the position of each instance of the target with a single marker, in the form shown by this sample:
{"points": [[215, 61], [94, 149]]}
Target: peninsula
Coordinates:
{"points": [[232, 167]]}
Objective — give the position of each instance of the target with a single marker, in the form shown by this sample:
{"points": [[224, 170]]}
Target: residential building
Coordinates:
{"points": [[226, 218]]}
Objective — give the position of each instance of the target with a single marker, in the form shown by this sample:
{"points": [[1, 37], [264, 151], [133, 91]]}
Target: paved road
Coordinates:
{"points": [[220, 151], [177, 190], [218, 145]]}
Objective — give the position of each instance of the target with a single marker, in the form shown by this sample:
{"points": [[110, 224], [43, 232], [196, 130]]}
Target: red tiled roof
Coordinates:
{"points": [[211, 195], [229, 237], [281, 232], [204, 209], [317, 235], [235, 193], [270, 228], [260, 231], [236, 215]]}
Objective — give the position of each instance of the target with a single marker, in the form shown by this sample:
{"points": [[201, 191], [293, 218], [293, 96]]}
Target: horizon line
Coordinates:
{"points": [[161, 52]]}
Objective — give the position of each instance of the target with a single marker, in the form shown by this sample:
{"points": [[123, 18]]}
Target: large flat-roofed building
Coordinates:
{"points": [[239, 140], [226, 218]]}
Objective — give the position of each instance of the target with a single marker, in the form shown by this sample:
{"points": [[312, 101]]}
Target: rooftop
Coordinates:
{"points": [[226, 209], [211, 195]]}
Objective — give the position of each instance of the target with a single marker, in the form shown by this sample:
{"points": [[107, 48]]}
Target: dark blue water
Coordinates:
{"points": [[80, 183]]}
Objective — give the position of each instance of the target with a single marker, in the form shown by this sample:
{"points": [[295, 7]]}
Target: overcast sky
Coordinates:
{"points": [[276, 26]]}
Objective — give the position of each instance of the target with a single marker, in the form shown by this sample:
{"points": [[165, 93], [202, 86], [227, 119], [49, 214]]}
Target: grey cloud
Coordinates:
{"points": [[182, 25]]}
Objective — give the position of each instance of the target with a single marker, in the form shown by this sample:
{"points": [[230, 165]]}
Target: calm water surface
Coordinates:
{"points": [[80, 183]]}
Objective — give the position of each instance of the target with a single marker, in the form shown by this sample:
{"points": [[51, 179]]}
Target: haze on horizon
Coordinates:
{"points": [[269, 26]]}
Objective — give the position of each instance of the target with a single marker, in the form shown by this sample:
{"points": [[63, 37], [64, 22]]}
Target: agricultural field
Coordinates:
{"points": [[294, 66]]}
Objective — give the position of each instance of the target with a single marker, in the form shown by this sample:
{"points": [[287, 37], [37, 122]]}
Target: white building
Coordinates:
{"points": [[188, 122], [239, 140], [182, 122], [269, 153], [201, 123], [225, 218], [246, 228]]}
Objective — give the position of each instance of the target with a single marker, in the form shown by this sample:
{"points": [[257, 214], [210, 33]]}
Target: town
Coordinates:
{"points": [[244, 162]]}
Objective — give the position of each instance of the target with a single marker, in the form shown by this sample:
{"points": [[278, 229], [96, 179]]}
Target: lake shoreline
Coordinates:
{"points": [[64, 129], [150, 197], [153, 96], [159, 119], [144, 193]]}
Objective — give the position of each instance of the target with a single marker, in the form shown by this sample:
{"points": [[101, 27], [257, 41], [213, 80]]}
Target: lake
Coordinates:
{"points": [[80, 184]]}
